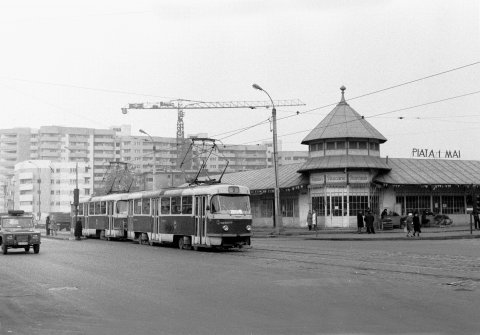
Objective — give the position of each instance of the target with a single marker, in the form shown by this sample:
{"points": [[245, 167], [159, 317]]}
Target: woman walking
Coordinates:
{"points": [[409, 223]]}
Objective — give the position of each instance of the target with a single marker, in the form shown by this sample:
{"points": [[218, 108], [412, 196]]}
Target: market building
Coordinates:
{"points": [[345, 173]]}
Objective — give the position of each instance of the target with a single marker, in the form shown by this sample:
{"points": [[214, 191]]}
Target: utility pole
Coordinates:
{"points": [[277, 214]]}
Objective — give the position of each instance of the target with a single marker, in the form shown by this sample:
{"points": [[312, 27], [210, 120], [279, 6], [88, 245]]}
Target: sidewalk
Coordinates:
{"points": [[428, 233]]}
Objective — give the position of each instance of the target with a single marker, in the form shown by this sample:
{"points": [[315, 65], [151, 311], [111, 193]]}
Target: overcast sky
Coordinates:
{"points": [[76, 63]]}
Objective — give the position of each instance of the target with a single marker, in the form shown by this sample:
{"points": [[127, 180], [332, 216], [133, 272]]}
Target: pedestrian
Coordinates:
{"points": [[47, 225], [78, 230], [409, 224], [314, 220], [53, 227], [309, 220], [359, 222], [476, 219], [416, 225], [369, 220]]}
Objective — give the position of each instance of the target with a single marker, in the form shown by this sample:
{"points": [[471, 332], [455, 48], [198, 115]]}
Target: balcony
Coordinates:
{"points": [[26, 197], [25, 187]]}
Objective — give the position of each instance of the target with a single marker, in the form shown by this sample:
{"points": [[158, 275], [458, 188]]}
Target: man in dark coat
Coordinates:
{"points": [[369, 219], [476, 219], [47, 225], [359, 222]]}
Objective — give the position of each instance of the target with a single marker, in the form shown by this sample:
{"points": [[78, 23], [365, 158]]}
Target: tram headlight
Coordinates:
{"points": [[225, 227], [248, 227]]}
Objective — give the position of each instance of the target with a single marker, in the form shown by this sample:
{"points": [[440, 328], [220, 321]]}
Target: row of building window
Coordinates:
{"points": [[341, 145], [445, 204]]}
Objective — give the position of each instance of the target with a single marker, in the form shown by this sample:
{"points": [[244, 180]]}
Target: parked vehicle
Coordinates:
{"points": [[17, 231], [442, 220]]}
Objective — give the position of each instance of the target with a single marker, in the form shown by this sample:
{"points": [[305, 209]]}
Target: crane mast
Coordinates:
{"points": [[180, 105]]}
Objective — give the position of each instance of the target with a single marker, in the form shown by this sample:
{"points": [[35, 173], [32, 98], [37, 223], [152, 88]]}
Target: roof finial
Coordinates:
{"points": [[343, 88]]}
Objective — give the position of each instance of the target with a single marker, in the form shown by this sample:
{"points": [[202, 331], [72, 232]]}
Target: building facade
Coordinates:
{"points": [[345, 174]]}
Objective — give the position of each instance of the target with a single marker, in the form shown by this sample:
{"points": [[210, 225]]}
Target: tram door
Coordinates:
{"points": [[156, 219], [336, 210], [200, 219], [110, 217]]}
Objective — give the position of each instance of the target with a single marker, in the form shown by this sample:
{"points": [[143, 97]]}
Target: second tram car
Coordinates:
{"points": [[208, 215]]}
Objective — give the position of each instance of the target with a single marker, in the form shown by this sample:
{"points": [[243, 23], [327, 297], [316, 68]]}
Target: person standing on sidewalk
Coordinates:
{"points": [[369, 220], [47, 225], [309, 220], [409, 224], [359, 222], [314, 220], [416, 225], [53, 227], [476, 219]]}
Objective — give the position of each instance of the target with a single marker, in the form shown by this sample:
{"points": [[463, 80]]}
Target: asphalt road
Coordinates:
{"points": [[280, 286]]}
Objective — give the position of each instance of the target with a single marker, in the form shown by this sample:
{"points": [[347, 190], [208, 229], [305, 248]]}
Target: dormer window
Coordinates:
{"points": [[330, 145], [362, 145], [341, 145]]}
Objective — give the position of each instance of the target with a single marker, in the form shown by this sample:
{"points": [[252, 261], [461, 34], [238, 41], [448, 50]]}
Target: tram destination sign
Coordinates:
{"points": [[430, 153]]}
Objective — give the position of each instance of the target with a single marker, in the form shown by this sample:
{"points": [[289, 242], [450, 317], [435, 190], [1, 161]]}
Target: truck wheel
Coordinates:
{"points": [[36, 248], [4, 249], [27, 249]]}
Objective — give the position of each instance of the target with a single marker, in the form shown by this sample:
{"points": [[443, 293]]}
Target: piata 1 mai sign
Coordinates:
{"points": [[430, 153]]}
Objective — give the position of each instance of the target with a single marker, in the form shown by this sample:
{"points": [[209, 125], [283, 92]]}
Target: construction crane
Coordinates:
{"points": [[181, 104]]}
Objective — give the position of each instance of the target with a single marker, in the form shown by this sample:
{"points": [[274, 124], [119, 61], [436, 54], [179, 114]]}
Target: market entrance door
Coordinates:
{"points": [[337, 210]]}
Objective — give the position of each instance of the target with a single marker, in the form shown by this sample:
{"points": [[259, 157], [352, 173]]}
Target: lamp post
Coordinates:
{"points": [[277, 214], [76, 196], [154, 158], [39, 180]]}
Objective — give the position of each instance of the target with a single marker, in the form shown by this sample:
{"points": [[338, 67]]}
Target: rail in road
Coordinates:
{"points": [[451, 269]]}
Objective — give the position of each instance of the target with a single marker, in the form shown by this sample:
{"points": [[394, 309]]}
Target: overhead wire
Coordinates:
{"points": [[240, 130]]}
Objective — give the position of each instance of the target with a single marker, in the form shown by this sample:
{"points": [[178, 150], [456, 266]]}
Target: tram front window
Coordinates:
{"points": [[230, 204], [122, 207]]}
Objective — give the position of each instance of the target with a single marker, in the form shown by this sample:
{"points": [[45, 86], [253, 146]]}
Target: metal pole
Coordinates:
{"points": [[276, 195], [39, 195], [76, 187]]}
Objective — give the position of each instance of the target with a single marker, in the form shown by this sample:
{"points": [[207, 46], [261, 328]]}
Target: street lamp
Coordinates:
{"points": [[154, 158], [277, 214], [39, 180], [76, 196]]}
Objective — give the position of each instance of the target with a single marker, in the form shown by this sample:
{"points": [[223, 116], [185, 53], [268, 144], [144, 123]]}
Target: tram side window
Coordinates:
{"points": [[80, 209], [97, 208], [187, 205], [91, 208], [146, 206], [103, 207], [122, 207], [165, 203], [137, 206], [176, 205]]}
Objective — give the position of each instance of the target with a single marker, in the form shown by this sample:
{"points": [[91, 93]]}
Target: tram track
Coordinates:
{"points": [[444, 268]]}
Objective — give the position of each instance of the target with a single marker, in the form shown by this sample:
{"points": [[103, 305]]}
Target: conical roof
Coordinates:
{"points": [[343, 122]]}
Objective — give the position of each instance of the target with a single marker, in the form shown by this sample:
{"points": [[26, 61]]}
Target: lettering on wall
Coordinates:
{"points": [[430, 153], [335, 178]]}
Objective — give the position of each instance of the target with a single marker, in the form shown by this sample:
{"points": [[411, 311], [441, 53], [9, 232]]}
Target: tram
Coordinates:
{"points": [[199, 215]]}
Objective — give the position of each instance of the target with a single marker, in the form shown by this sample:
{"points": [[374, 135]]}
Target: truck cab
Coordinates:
{"points": [[17, 230]]}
